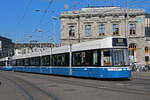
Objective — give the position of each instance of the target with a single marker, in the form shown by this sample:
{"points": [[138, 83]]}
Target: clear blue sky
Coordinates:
{"points": [[18, 18]]}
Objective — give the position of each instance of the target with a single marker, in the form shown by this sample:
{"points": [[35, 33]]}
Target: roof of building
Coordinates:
{"points": [[102, 11], [5, 39], [21, 45]]}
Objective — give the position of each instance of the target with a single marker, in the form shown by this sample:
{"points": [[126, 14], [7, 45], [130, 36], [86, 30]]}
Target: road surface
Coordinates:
{"points": [[25, 86]]}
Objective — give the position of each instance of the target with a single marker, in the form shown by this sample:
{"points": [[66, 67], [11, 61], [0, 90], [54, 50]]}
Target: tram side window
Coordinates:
{"points": [[54, 57], [14, 63], [61, 59], [83, 58], [2, 63], [45, 61], [27, 62], [17, 63], [119, 57], [96, 56], [76, 59], [107, 58], [86, 58], [20, 62], [65, 60], [35, 61]]}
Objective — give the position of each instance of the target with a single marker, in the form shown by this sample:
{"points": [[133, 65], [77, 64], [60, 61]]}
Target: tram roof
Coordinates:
{"points": [[89, 45]]}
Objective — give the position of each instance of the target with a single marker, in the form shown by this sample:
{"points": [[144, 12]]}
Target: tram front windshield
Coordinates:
{"points": [[115, 57]]}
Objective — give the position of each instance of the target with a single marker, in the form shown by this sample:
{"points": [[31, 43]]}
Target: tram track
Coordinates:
{"points": [[29, 90], [19, 87], [122, 89], [108, 88]]}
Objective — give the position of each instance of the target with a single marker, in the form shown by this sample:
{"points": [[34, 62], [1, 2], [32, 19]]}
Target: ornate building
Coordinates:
{"points": [[99, 22]]}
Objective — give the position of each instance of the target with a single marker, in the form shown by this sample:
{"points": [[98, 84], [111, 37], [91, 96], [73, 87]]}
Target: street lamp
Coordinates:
{"points": [[127, 27]]}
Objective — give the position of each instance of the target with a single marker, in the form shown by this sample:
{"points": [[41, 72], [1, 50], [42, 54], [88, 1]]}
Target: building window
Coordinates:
{"points": [[132, 16], [71, 31], [88, 30], [132, 29], [101, 29], [115, 29], [147, 28], [24, 51], [148, 23], [147, 61], [146, 50]]}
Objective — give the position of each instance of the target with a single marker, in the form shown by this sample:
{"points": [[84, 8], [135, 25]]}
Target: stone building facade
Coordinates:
{"points": [[100, 22], [147, 39], [25, 48]]}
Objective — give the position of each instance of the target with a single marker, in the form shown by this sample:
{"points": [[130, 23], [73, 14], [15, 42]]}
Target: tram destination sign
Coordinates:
{"points": [[119, 42]]}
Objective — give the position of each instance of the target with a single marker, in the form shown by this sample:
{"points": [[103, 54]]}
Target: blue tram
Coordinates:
{"points": [[104, 58]]}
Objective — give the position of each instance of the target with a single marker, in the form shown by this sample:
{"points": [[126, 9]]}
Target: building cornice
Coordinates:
{"points": [[100, 12]]}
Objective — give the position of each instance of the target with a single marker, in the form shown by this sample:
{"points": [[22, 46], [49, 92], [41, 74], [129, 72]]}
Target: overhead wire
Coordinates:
{"points": [[43, 16], [25, 12]]}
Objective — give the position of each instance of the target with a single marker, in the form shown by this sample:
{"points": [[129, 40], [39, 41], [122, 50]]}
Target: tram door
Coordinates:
{"points": [[106, 57]]}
